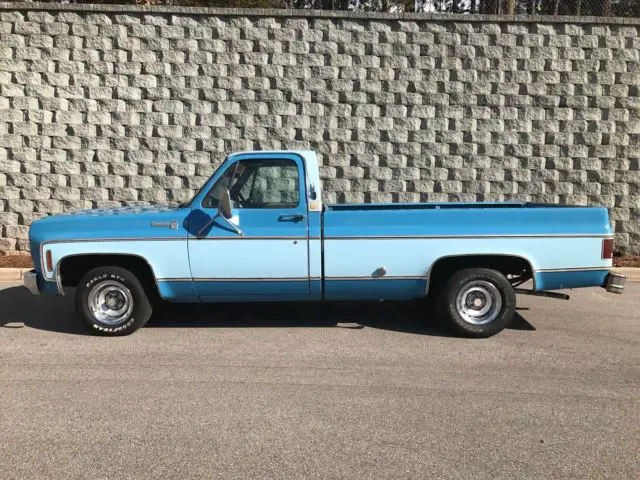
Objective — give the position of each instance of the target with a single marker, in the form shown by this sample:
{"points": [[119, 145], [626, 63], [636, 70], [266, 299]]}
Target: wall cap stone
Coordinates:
{"points": [[305, 13]]}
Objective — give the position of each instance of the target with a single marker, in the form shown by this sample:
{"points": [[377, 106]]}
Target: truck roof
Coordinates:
{"points": [[303, 153]]}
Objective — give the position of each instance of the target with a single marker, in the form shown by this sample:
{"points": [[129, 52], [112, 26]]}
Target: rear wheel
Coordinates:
{"points": [[111, 301], [477, 302]]}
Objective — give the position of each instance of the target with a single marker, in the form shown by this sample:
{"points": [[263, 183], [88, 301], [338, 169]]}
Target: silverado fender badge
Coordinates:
{"points": [[173, 225]]}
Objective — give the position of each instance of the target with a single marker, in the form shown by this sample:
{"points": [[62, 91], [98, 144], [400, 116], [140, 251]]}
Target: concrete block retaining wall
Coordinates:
{"points": [[108, 105]]}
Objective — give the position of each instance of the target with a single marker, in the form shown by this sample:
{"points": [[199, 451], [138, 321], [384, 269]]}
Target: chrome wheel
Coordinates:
{"points": [[110, 303], [479, 302]]}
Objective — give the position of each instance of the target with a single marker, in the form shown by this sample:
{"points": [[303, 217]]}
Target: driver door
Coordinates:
{"points": [[265, 257]]}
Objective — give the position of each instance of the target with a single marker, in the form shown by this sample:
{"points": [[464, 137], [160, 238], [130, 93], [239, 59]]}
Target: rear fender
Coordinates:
{"points": [[470, 260]]}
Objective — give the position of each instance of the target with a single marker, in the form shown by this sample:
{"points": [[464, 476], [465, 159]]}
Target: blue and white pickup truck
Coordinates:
{"points": [[258, 231]]}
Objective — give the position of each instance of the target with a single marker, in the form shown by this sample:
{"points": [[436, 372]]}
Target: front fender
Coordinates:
{"points": [[166, 258]]}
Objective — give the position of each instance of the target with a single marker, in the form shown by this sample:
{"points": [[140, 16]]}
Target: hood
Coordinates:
{"points": [[134, 211], [110, 223]]}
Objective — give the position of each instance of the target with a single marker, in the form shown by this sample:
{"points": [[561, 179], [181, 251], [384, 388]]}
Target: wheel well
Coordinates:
{"points": [[506, 264], [74, 267]]}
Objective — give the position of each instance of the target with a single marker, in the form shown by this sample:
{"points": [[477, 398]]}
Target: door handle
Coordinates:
{"points": [[290, 218]]}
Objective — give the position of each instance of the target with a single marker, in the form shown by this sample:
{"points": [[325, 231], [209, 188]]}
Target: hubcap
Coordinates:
{"points": [[110, 302], [479, 302]]}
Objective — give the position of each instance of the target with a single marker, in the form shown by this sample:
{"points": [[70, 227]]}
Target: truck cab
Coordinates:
{"points": [[262, 251]]}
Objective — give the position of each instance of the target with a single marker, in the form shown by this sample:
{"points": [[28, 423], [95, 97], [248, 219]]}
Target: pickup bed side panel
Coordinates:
{"points": [[388, 254]]}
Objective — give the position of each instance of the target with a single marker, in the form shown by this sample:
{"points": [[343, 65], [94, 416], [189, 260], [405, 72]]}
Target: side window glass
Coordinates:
{"points": [[258, 184], [246, 184], [212, 200], [273, 186]]}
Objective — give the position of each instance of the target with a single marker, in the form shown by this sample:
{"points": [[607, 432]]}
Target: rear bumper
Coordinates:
{"points": [[30, 281], [615, 283]]}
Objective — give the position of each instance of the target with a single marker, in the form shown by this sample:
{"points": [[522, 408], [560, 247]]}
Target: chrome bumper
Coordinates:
{"points": [[29, 280], [615, 283]]}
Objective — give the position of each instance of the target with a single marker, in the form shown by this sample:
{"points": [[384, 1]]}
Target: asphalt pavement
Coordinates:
{"points": [[321, 391]]}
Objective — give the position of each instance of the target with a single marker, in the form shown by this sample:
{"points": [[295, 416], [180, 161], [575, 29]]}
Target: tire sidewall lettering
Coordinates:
{"points": [[119, 328], [109, 276]]}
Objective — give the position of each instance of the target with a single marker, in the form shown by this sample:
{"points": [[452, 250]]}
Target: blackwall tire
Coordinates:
{"points": [[111, 301], [477, 302]]}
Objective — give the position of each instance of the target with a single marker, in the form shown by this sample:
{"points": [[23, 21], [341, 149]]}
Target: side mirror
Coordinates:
{"points": [[225, 204], [224, 211]]}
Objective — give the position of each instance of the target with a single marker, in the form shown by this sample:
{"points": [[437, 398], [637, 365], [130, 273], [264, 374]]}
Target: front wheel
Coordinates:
{"points": [[111, 301], [477, 302]]}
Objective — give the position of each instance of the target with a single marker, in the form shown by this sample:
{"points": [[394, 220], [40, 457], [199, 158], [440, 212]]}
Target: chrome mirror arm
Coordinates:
{"points": [[232, 225], [213, 219]]}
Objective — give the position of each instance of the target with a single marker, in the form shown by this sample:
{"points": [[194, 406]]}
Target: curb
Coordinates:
{"points": [[12, 274]]}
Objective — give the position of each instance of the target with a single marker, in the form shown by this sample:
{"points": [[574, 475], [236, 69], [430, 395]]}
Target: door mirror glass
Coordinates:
{"points": [[225, 204]]}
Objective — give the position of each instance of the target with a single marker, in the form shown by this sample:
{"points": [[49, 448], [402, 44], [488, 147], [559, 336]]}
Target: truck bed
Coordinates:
{"points": [[404, 240]]}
